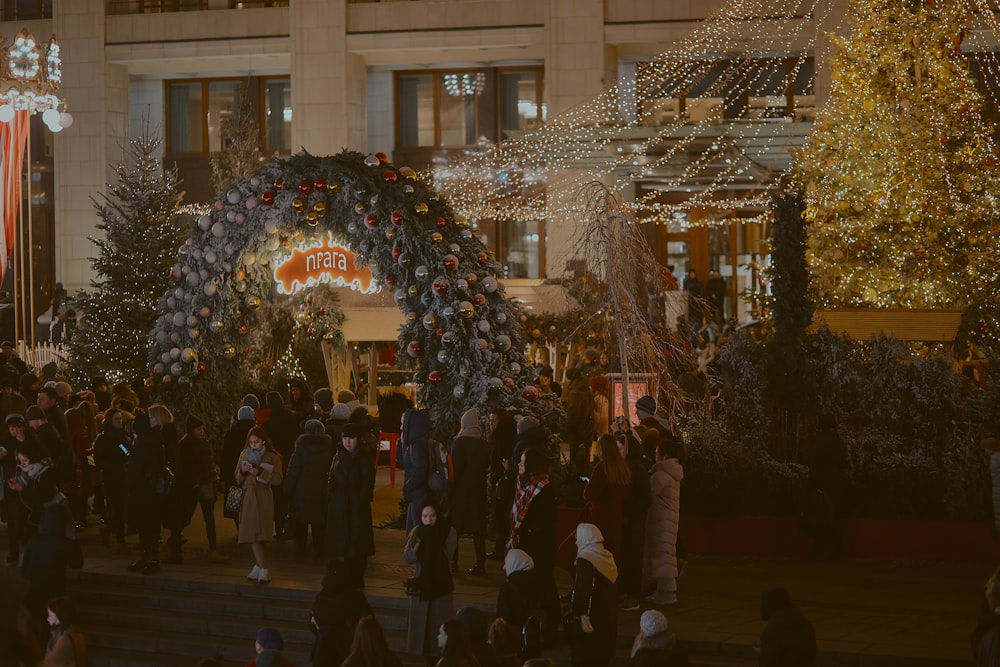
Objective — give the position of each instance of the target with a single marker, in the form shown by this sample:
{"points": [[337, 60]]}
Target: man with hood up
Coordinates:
{"points": [[414, 440], [335, 613]]}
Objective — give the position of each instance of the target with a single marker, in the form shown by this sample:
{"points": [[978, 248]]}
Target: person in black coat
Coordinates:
{"points": [[283, 427], [476, 625], [533, 527], [789, 639], [306, 485], [634, 509], [179, 503], [468, 506], [503, 432], [34, 480], [144, 467], [111, 451], [46, 557], [518, 597], [414, 443], [11, 507], [335, 613], [349, 510]]}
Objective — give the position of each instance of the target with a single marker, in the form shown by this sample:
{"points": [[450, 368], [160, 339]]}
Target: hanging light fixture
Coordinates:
{"points": [[464, 84]]}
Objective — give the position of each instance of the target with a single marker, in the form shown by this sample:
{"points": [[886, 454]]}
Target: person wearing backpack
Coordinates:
{"points": [[415, 443]]}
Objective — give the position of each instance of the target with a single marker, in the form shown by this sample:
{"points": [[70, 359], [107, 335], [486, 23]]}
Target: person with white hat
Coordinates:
{"points": [[656, 645]]}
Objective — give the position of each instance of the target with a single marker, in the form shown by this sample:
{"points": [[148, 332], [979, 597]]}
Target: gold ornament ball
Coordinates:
{"points": [[298, 204], [312, 218], [408, 173], [320, 208], [253, 302], [229, 351], [421, 208]]}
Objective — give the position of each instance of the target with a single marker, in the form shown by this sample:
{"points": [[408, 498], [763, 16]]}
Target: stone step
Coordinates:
{"points": [[157, 620]]}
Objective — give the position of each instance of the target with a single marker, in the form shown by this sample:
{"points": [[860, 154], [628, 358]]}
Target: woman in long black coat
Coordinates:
{"points": [[306, 484], [533, 527], [111, 458], [144, 466], [349, 532], [468, 507], [335, 614], [503, 432]]}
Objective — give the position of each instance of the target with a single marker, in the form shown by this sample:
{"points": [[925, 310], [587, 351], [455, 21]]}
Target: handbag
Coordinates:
{"points": [[411, 586], [234, 501]]}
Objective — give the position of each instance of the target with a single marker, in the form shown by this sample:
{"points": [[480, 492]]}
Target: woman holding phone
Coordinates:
{"points": [[258, 469]]}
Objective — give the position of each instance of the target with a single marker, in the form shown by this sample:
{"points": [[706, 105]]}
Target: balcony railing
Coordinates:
{"points": [[161, 6]]}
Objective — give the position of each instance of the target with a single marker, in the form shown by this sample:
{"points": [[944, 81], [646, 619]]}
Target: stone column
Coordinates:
{"points": [[97, 95], [328, 82]]}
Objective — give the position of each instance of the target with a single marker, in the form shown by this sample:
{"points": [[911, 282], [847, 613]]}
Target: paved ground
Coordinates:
{"points": [[921, 610]]}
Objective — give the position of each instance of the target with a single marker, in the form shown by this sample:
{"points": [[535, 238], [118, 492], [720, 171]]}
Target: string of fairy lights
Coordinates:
{"points": [[711, 158]]}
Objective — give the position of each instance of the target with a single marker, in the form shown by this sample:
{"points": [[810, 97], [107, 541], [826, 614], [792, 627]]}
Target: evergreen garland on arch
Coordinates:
{"points": [[462, 335]]}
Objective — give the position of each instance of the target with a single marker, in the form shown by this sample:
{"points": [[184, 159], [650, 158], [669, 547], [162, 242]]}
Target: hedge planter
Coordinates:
{"points": [[877, 539]]}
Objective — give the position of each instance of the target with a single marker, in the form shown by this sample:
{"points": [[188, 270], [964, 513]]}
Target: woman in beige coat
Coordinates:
{"points": [[258, 469]]}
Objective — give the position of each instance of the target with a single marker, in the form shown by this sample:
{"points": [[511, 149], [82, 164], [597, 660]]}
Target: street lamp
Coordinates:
{"points": [[29, 80]]}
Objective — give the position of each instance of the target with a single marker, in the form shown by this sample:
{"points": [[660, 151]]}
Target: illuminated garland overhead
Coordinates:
{"points": [[625, 136]]}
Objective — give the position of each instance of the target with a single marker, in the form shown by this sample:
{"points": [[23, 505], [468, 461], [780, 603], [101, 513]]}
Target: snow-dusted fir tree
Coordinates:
{"points": [[141, 234]]}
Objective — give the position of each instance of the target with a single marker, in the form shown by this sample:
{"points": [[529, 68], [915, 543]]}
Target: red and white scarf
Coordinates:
{"points": [[525, 493]]}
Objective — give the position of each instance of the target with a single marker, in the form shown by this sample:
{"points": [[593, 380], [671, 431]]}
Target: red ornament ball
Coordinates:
{"points": [[267, 198], [450, 262], [371, 221], [482, 257], [320, 184], [439, 333], [382, 157], [389, 176], [508, 382], [529, 393], [390, 280], [279, 183], [413, 348], [435, 377], [202, 367], [441, 222], [440, 288], [396, 252], [306, 187], [479, 299], [397, 217]]}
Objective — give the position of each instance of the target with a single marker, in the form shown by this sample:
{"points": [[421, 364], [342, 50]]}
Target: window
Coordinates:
{"points": [[197, 108], [518, 246], [277, 105], [520, 100], [458, 108]]}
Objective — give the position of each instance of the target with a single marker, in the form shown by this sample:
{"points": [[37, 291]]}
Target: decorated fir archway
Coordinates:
{"points": [[461, 335]]}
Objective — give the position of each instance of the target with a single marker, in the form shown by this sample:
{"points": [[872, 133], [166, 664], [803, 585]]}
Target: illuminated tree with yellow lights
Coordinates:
{"points": [[900, 169], [142, 233]]}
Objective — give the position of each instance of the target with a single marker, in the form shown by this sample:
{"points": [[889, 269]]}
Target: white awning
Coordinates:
{"points": [[372, 324]]}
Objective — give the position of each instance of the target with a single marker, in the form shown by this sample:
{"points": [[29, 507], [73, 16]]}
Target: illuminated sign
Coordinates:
{"points": [[325, 262]]}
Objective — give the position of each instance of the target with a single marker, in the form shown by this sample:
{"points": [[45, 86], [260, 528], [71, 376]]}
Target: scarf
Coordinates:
{"points": [[33, 471], [525, 493], [254, 456], [590, 547], [518, 561], [435, 570]]}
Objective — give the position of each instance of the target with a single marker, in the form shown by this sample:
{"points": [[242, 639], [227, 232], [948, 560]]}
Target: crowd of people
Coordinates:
{"points": [[302, 468]]}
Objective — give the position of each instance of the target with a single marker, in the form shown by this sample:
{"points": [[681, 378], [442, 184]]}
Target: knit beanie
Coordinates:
{"points": [[526, 424], [252, 401], [246, 413], [346, 396], [273, 401], [270, 639], [652, 623], [314, 427], [192, 423], [646, 404], [341, 411], [323, 398]]}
